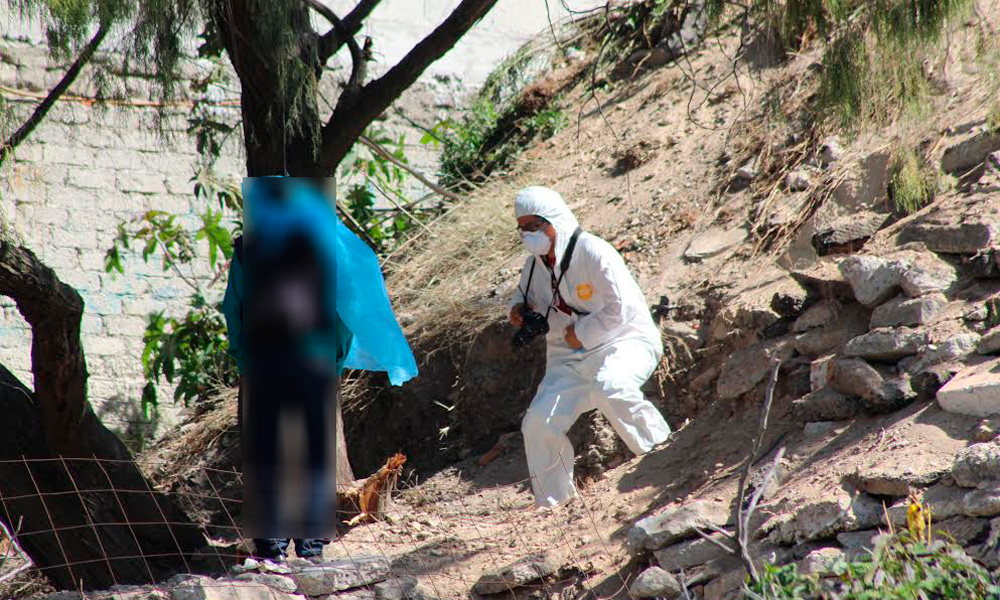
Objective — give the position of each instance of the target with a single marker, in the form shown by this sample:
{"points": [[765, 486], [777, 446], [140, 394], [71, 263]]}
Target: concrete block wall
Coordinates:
{"points": [[83, 171]]}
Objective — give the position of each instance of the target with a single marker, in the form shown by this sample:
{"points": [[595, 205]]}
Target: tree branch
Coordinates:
{"points": [[743, 516], [42, 109], [350, 119], [357, 56], [378, 149], [331, 42]]}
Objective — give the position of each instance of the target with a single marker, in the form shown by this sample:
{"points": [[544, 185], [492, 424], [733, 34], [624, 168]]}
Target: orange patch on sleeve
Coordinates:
{"points": [[585, 291]]}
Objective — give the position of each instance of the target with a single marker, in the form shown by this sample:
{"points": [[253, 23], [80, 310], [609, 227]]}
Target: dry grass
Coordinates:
{"points": [[184, 454], [445, 282]]}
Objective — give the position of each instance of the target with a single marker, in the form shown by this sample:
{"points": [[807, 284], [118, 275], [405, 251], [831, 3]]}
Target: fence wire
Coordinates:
{"points": [[474, 531]]}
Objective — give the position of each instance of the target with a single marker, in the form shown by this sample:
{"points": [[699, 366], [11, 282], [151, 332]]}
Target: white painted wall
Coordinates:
{"points": [[397, 25]]}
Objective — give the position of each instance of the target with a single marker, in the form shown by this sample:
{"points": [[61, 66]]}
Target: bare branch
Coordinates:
{"points": [[349, 119], [359, 63], [42, 109], [712, 540], [331, 42], [377, 148], [742, 535]]}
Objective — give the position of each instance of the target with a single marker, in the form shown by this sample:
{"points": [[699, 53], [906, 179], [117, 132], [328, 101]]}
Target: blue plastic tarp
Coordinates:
{"points": [[359, 296]]}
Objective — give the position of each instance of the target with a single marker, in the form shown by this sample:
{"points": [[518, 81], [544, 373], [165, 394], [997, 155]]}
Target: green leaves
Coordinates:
{"points": [[189, 351], [367, 175], [899, 568]]}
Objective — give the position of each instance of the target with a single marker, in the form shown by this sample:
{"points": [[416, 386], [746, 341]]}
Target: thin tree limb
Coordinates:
{"points": [[377, 148], [67, 80], [350, 118], [358, 61], [385, 194], [331, 42], [356, 227], [708, 538], [741, 521]]}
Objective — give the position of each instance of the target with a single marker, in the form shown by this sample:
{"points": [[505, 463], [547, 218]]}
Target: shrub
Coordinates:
{"points": [[909, 565], [913, 183]]}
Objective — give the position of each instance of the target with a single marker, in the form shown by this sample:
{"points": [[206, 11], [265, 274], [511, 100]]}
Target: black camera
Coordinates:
{"points": [[535, 324]]}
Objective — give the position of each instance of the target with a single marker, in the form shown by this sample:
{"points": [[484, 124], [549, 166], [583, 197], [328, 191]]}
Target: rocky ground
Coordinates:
{"points": [[756, 246]]}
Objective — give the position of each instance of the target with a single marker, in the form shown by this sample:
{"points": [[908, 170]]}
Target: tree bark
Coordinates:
{"points": [[86, 523], [272, 146], [349, 119]]}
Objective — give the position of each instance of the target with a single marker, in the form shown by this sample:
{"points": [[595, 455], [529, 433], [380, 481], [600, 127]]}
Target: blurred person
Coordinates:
{"points": [[602, 343], [305, 299]]}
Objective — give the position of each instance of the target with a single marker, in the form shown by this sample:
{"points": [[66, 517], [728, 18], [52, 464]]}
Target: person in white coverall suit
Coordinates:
{"points": [[602, 342]]}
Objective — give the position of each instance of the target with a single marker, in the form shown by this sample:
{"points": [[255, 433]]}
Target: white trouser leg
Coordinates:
{"points": [[561, 398], [625, 367]]}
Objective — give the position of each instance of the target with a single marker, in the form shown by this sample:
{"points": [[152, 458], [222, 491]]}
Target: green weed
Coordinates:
{"points": [[913, 183]]}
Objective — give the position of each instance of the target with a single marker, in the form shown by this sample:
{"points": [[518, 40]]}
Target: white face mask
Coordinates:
{"points": [[536, 242]]}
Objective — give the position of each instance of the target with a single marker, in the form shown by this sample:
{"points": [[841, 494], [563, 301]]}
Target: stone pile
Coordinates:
{"points": [[358, 578], [914, 317]]}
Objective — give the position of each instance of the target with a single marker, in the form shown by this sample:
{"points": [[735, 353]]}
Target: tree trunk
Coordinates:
{"points": [[85, 522], [278, 141]]}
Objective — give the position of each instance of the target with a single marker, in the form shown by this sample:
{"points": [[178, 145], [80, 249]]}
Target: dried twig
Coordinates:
{"points": [[12, 540], [743, 517], [708, 538], [378, 149]]}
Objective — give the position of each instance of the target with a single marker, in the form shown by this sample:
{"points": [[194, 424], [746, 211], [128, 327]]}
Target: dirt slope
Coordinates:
{"points": [[653, 167]]}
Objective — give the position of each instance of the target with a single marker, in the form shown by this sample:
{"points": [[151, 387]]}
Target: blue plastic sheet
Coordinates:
{"points": [[361, 301]]}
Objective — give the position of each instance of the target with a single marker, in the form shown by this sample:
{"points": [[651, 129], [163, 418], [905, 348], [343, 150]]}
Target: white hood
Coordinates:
{"points": [[549, 205]]}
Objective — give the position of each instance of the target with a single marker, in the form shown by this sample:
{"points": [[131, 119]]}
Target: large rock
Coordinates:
{"points": [[848, 323], [970, 152], [820, 314], [654, 582], [907, 312], [983, 502], [336, 576], [821, 561], [847, 233], [823, 518], [898, 478], [399, 588], [887, 344], [955, 348], [953, 238], [825, 404], [976, 464], [879, 392], [690, 553], [727, 586], [522, 572], [946, 501], [990, 343], [989, 551], [791, 301], [873, 279], [228, 590], [713, 242], [973, 391], [964, 530], [676, 524], [859, 543], [824, 278], [281, 583], [866, 188], [928, 274], [749, 366]]}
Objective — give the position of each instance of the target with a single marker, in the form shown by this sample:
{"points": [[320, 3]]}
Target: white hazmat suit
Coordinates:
{"points": [[621, 349]]}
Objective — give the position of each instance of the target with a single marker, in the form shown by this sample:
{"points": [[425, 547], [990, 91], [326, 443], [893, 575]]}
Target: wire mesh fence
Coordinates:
{"points": [[90, 529]]}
